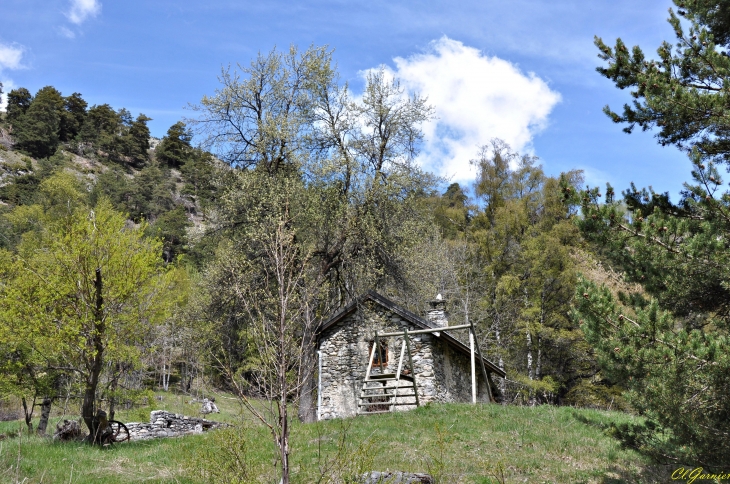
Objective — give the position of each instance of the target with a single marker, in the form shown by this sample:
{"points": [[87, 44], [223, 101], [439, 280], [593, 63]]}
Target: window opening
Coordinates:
{"points": [[383, 356]]}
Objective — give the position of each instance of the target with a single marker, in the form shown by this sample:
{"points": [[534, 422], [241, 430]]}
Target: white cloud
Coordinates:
{"points": [[83, 9], [10, 56], [66, 32], [476, 98]]}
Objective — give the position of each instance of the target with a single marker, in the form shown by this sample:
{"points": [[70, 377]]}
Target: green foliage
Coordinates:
{"points": [[670, 350], [114, 135], [114, 185], [671, 347], [101, 123], [36, 131], [597, 393], [82, 288], [170, 227], [19, 101], [525, 241], [23, 190], [677, 374], [150, 193], [684, 92], [138, 140], [174, 150], [199, 173], [72, 117], [452, 213]]}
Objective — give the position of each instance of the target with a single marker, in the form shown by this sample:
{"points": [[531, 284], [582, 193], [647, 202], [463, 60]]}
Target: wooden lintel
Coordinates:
{"points": [[422, 331]]}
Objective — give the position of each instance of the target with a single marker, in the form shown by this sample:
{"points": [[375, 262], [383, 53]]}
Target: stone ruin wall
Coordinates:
{"points": [[165, 424], [443, 374]]}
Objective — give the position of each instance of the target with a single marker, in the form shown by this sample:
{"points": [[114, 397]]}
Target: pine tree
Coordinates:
{"points": [[669, 344], [139, 140], [18, 103], [72, 117], [175, 147], [684, 93], [36, 131]]}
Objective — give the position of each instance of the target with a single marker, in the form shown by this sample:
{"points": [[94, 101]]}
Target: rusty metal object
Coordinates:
{"points": [[116, 432]]}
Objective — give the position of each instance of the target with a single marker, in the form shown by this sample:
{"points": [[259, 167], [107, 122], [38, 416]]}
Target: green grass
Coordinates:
{"points": [[455, 442]]}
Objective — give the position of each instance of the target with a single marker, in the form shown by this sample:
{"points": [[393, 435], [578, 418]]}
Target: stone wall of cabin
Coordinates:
{"points": [[453, 375], [442, 373]]}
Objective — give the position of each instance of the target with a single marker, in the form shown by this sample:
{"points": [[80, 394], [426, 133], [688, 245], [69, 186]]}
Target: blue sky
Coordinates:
{"points": [[522, 70]]}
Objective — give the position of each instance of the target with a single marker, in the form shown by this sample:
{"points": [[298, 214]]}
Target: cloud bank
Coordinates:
{"points": [[476, 98], [83, 9]]}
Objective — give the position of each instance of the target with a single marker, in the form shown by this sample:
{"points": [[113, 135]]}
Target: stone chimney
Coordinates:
{"points": [[437, 314]]}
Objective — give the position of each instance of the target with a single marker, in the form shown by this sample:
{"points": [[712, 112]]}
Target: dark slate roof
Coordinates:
{"points": [[408, 316]]}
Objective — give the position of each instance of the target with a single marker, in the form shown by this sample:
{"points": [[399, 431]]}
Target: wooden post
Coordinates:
{"points": [[410, 361], [481, 360], [370, 362], [397, 375], [473, 370]]}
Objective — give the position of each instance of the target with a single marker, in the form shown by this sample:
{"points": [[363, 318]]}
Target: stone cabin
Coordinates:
{"points": [[441, 362]]}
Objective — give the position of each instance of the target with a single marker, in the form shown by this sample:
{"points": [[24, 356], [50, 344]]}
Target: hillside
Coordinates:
{"points": [[170, 196], [455, 443]]}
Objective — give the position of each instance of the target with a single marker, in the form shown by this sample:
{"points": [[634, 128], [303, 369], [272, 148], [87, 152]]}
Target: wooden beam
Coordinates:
{"points": [[422, 331]]}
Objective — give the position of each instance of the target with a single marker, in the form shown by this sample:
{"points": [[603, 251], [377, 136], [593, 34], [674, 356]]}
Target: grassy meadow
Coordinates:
{"points": [[456, 443]]}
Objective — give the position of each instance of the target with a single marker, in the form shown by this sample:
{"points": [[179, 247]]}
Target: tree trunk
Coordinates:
{"points": [[500, 363], [113, 391], [45, 413], [307, 412], [530, 373], [284, 391], [28, 414], [165, 377], [92, 380], [538, 365], [284, 441]]}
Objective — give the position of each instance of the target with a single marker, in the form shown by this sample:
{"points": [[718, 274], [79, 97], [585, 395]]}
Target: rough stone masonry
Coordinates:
{"points": [[442, 372], [165, 424]]}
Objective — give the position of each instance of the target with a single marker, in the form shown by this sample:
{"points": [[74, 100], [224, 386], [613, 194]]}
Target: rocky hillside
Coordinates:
{"points": [[170, 189]]}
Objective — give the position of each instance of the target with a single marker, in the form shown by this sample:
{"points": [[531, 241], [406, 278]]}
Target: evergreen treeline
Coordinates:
{"points": [[52, 128]]}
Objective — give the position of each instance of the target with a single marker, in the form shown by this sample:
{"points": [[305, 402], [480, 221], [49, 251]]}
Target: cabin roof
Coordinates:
{"points": [[419, 322]]}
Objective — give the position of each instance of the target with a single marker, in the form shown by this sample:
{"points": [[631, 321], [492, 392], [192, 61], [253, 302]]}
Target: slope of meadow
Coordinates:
{"points": [[456, 443]]}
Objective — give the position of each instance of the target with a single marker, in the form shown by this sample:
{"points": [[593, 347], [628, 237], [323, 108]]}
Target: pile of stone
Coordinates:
{"points": [[165, 424], [396, 477]]}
